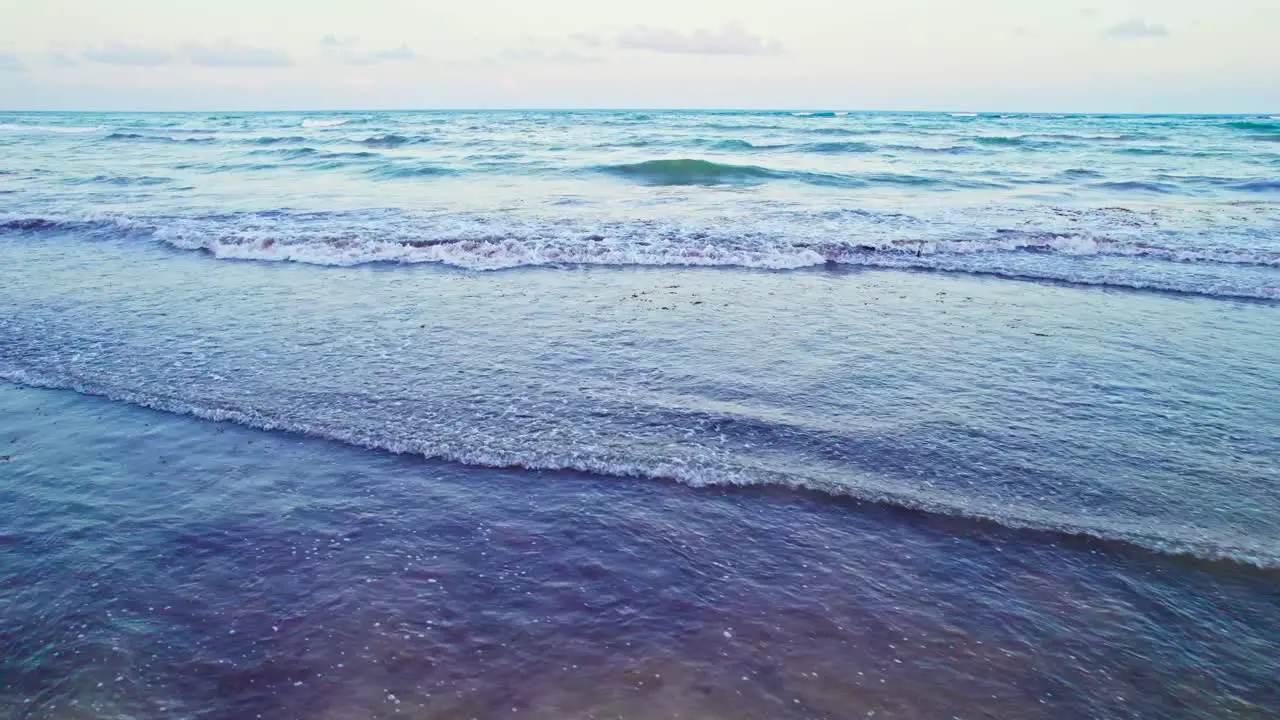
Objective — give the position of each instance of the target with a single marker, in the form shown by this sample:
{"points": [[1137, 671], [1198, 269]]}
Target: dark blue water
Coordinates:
{"points": [[905, 449]]}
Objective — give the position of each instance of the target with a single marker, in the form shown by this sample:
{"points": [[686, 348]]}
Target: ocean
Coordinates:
{"points": [[639, 415]]}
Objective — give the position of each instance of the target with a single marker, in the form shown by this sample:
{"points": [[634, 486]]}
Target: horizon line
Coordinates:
{"points": [[1070, 113]]}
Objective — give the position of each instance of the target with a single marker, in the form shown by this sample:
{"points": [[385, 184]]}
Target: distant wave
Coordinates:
{"points": [[690, 172], [1255, 126], [324, 123], [687, 171], [64, 129], [843, 131], [392, 172], [276, 140], [1137, 186], [120, 180], [392, 141], [1000, 140], [287, 153], [947, 150], [1143, 151], [837, 147], [142, 137]]}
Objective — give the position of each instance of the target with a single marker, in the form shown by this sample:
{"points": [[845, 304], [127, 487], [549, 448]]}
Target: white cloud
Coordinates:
{"points": [[588, 39], [732, 39], [226, 53], [1136, 28], [346, 51], [532, 55], [61, 59], [118, 53], [404, 52]]}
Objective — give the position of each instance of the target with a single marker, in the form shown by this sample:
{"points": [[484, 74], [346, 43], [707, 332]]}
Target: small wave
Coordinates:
{"points": [[1259, 186], [1116, 137], [739, 127], [391, 141], [360, 155], [287, 153], [1143, 151], [393, 172], [964, 115], [324, 123], [64, 129], [690, 172], [1137, 186], [948, 150], [141, 137], [119, 180], [638, 142], [731, 145], [1001, 140], [273, 140], [837, 147], [843, 131], [1254, 126]]}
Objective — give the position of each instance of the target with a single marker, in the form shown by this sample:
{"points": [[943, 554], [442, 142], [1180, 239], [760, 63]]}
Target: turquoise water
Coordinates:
{"points": [[656, 415], [1175, 203]]}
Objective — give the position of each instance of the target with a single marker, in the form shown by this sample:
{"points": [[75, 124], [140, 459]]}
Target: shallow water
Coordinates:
{"points": [[160, 567], [905, 449]]}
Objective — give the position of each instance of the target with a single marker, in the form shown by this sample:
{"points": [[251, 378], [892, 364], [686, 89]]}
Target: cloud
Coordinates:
{"points": [[345, 50], [226, 53], [1136, 28], [11, 63], [399, 53], [588, 39], [118, 53], [732, 39], [61, 59], [563, 57]]}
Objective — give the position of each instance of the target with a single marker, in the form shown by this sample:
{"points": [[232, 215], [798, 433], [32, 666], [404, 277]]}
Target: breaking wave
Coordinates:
{"points": [[1129, 257], [561, 457]]}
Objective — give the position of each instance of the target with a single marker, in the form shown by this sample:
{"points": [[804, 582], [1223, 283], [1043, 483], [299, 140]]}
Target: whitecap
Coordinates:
{"points": [[323, 122]]}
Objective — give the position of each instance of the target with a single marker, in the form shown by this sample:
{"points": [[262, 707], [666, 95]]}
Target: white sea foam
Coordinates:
{"points": [[1079, 258], [323, 122], [61, 129], [557, 457]]}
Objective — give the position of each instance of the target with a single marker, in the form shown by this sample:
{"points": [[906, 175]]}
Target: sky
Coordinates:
{"points": [[1192, 56]]}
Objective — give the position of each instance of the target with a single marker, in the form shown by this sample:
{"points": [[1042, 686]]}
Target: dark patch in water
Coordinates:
{"points": [[1136, 186], [392, 141], [838, 147], [691, 172]]}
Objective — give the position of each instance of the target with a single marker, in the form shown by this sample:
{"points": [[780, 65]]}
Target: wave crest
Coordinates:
{"points": [[690, 172]]}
